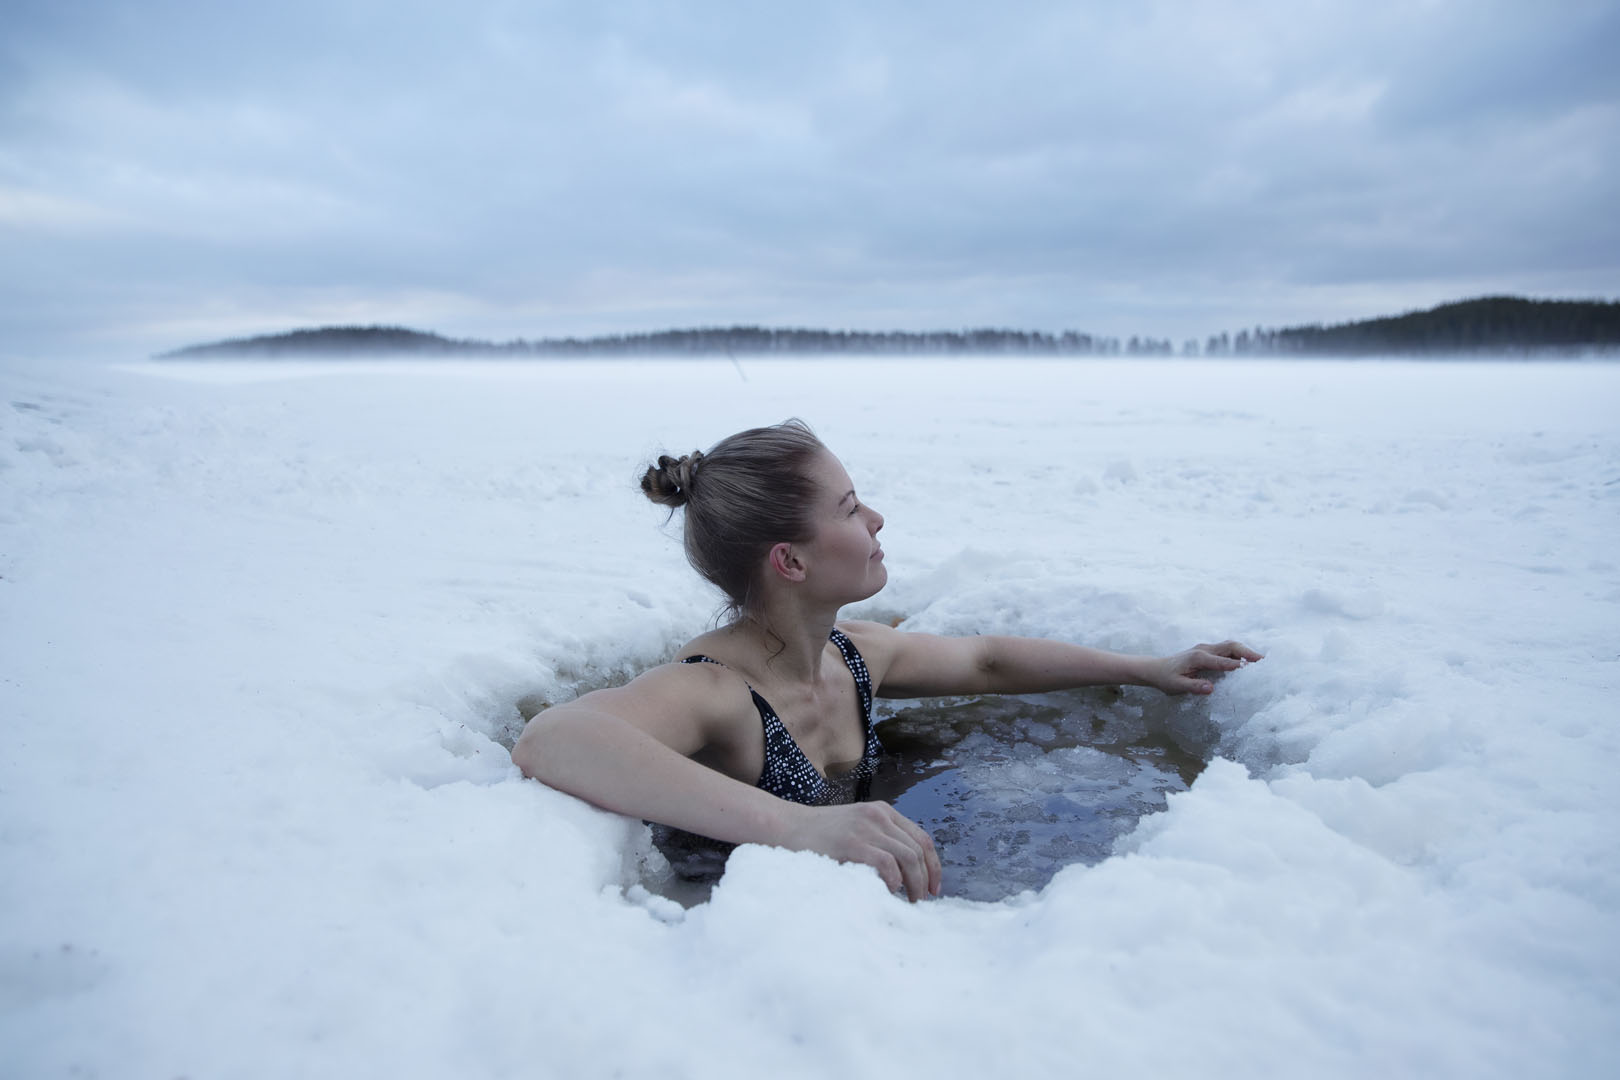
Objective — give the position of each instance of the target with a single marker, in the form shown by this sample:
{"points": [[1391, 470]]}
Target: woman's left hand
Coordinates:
{"points": [[1178, 674]]}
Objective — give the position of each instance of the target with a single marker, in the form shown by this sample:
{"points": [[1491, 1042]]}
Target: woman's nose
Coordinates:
{"points": [[877, 522]]}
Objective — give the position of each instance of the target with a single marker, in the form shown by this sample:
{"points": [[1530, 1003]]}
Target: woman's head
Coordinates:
{"points": [[751, 490]]}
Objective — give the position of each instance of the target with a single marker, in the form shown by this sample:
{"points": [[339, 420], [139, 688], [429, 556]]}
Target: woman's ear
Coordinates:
{"points": [[785, 563]]}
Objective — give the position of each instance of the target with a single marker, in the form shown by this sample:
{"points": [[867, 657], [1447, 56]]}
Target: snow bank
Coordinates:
{"points": [[265, 627]]}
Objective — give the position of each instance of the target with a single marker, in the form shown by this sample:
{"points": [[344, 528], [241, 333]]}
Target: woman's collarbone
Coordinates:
{"points": [[827, 729]]}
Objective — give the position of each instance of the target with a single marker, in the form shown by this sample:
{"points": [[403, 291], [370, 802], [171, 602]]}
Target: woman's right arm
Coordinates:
{"points": [[629, 750]]}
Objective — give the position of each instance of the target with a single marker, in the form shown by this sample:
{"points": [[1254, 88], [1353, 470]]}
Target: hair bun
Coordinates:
{"points": [[669, 483]]}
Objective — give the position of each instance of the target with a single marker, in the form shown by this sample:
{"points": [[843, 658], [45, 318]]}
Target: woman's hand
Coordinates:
{"points": [[1178, 674], [873, 833]]}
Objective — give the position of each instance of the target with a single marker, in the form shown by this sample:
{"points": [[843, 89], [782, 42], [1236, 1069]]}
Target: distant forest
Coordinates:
{"points": [[1489, 325]]}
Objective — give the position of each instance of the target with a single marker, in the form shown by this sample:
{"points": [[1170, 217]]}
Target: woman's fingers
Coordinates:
{"points": [[873, 833], [1233, 649], [1227, 656], [915, 874], [1181, 671], [889, 870], [897, 847], [925, 845], [909, 865], [930, 855], [909, 850]]}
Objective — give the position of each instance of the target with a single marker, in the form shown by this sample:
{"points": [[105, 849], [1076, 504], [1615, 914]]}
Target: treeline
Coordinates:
{"points": [[1494, 324], [331, 341], [760, 340], [1490, 324], [350, 341]]}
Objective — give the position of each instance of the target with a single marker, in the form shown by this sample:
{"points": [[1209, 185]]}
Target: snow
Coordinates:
{"points": [[263, 627]]}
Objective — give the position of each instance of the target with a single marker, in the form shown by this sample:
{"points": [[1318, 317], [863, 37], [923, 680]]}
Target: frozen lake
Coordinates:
{"points": [[264, 629]]}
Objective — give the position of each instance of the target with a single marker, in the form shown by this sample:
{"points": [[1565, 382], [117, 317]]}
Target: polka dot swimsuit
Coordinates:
{"points": [[788, 774]]}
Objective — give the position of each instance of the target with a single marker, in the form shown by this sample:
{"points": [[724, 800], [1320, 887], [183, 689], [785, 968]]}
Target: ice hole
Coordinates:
{"points": [[1015, 788]]}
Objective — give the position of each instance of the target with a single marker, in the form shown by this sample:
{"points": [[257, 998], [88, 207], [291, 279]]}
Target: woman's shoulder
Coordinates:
{"points": [[863, 628], [705, 698], [683, 678], [714, 644], [875, 641]]}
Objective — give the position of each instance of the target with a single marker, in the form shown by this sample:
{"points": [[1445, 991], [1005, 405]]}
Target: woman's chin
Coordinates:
{"points": [[876, 578]]}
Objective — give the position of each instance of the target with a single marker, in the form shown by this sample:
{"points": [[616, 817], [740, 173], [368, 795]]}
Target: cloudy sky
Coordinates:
{"points": [[174, 171]]}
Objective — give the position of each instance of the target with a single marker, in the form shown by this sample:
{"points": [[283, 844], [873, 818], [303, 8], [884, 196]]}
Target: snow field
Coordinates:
{"points": [[265, 627]]}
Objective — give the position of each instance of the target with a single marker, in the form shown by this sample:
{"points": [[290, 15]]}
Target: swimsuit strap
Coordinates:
{"points": [[852, 660], [857, 667], [863, 773], [786, 771]]}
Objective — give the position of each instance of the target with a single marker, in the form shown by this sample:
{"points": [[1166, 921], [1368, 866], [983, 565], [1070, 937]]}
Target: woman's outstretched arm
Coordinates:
{"points": [[925, 665], [628, 750]]}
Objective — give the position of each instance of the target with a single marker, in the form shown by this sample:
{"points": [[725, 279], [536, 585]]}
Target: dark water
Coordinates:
{"points": [[1013, 789]]}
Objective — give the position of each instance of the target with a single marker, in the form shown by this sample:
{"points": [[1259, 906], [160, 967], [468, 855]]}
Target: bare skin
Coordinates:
{"points": [[682, 744]]}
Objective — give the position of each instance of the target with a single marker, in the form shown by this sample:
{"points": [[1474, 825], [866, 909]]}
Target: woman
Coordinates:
{"points": [[762, 732]]}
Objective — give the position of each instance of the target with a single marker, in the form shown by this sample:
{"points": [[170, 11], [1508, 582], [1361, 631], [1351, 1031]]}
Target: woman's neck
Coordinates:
{"points": [[793, 641]]}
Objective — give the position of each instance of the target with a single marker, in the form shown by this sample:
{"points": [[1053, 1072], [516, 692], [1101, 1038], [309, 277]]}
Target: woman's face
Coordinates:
{"points": [[843, 557]]}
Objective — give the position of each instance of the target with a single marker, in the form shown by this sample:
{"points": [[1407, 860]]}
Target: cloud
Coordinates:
{"points": [[568, 168], [40, 211]]}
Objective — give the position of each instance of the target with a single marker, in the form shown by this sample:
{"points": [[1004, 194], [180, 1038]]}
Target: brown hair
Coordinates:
{"points": [[749, 492]]}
